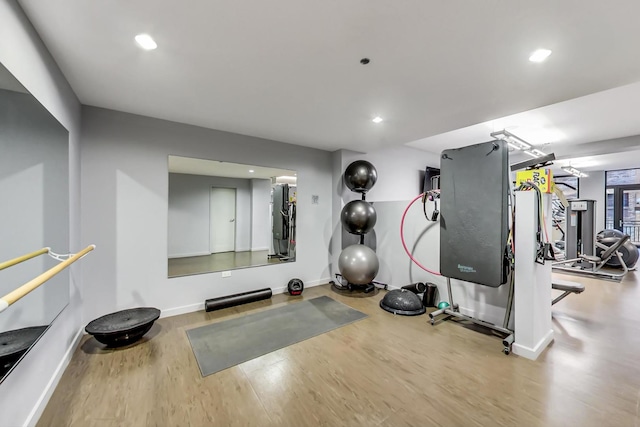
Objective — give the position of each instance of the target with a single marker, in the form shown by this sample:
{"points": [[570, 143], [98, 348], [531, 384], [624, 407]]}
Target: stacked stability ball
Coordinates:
{"points": [[358, 217], [358, 263], [360, 176]]}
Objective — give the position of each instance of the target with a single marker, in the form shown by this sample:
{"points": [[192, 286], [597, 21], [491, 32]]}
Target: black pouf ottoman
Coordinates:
{"points": [[403, 302], [15, 343], [123, 327]]}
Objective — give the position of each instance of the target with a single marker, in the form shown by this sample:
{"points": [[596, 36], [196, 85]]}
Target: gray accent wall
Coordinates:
{"points": [[399, 178], [399, 182], [423, 240], [125, 185]]}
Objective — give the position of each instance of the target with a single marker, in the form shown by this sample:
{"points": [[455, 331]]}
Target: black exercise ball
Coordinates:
{"points": [[629, 251], [295, 286], [358, 217], [360, 176], [609, 232]]}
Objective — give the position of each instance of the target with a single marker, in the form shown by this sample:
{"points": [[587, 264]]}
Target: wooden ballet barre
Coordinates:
{"points": [[23, 258], [23, 290]]}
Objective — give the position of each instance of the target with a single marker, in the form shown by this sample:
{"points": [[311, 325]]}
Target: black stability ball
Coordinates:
{"points": [[358, 217], [629, 251], [360, 176], [403, 302], [295, 286], [609, 232]]}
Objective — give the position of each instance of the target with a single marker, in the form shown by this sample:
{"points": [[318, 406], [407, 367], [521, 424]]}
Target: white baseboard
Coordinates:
{"points": [[259, 249], [190, 308], [38, 409], [187, 255], [312, 283], [169, 312], [533, 353]]}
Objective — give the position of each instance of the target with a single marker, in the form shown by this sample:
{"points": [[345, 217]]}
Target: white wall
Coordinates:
{"points": [[592, 187], [260, 214], [26, 390], [124, 211], [189, 213]]}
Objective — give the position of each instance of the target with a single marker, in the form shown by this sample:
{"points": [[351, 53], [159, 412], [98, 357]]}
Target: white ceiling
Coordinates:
{"points": [[188, 165], [289, 69], [582, 132]]}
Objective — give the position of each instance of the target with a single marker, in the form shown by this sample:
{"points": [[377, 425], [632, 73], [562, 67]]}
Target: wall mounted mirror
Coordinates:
{"points": [[223, 216], [34, 214]]}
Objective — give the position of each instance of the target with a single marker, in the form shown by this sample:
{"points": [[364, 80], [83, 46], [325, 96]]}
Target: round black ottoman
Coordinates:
{"points": [[15, 343], [403, 302], [123, 327]]}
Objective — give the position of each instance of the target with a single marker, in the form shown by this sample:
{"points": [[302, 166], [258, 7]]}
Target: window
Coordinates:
{"points": [[623, 201]]}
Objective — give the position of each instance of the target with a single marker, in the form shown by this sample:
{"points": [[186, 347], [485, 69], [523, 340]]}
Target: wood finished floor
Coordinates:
{"points": [[382, 371], [186, 266]]}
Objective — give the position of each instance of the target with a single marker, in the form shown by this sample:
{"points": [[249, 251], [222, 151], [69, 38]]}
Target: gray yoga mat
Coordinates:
{"points": [[228, 343]]}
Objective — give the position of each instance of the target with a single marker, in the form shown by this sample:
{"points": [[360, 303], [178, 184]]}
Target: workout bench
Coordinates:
{"points": [[567, 287]]}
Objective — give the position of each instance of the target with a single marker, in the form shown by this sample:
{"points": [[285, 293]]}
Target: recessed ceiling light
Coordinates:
{"points": [[539, 55], [377, 119], [251, 171], [146, 42]]}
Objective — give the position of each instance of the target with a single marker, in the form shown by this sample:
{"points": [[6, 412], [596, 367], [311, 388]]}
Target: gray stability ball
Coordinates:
{"points": [[358, 217], [360, 176], [358, 264]]}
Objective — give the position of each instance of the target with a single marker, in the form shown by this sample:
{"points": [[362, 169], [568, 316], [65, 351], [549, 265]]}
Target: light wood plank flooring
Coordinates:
{"points": [[186, 266], [382, 371]]}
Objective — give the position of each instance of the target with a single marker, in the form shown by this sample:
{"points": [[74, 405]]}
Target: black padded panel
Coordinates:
{"points": [[474, 183]]}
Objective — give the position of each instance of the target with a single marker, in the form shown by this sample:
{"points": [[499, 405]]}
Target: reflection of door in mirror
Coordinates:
{"points": [[220, 216], [223, 220]]}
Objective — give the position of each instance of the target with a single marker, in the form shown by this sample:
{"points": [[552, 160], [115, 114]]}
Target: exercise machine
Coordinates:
{"points": [[592, 264], [478, 176], [283, 218], [580, 233]]}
